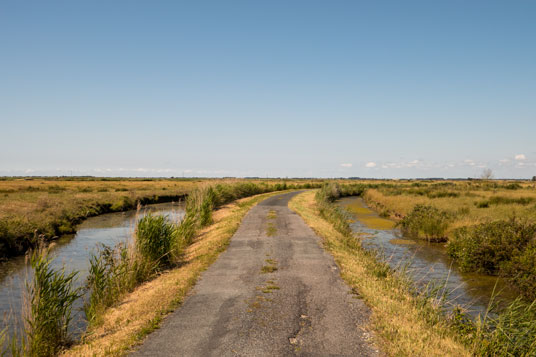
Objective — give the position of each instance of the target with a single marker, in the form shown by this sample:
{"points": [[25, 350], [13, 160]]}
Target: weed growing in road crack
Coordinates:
{"points": [[271, 229]]}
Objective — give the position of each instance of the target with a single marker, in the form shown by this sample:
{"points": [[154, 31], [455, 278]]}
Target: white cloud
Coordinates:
{"points": [[346, 165], [370, 164], [520, 157]]}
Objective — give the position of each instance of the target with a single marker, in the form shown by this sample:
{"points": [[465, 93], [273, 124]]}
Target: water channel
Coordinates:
{"points": [[427, 263], [73, 253]]}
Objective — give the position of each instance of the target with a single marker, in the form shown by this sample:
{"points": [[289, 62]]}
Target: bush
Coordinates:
{"points": [[513, 186], [500, 200], [484, 247], [426, 222], [521, 271]]}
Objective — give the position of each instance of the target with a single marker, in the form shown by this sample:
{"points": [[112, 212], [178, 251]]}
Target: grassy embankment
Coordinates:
{"points": [[488, 226], [410, 321]]}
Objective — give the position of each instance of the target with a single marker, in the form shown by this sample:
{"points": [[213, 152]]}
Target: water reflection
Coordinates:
{"points": [[73, 252]]}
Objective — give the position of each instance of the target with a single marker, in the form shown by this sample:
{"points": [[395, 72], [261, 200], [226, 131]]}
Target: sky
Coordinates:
{"points": [[386, 89]]}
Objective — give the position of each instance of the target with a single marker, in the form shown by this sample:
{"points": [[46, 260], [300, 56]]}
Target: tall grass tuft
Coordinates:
{"points": [[3, 341], [108, 277], [155, 240], [49, 302]]}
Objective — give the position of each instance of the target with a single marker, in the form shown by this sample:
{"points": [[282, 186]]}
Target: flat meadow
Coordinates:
{"points": [[30, 207]]}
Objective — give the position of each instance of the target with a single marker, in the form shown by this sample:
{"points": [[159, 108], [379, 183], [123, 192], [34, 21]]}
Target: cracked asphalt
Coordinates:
{"points": [[273, 292]]}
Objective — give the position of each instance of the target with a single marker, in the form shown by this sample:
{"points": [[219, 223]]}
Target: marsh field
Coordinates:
{"points": [[487, 227], [49, 207]]}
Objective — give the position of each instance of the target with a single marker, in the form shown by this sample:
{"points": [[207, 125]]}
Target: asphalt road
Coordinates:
{"points": [[273, 292]]}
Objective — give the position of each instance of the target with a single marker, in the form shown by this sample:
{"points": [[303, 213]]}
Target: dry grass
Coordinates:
{"points": [[397, 202], [140, 312], [398, 321], [53, 206]]}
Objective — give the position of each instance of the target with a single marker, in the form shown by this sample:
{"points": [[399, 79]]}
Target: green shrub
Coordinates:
{"points": [[442, 194], [426, 222], [484, 247], [521, 271], [500, 200]]}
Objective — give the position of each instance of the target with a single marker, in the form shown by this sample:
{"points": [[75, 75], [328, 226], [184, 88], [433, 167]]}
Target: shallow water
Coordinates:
{"points": [[426, 262], [73, 252]]}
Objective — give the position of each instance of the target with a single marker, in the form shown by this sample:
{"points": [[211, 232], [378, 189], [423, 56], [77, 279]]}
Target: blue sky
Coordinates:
{"points": [[274, 88]]}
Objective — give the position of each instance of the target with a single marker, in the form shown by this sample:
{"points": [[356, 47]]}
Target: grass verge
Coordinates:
{"points": [[406, 324], [140, 312]]}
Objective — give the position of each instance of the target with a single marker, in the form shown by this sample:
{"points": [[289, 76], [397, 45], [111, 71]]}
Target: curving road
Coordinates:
{"points": [[273, 292]]}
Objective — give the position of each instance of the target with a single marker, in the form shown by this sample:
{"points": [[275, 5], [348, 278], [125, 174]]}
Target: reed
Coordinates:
{"points": [[155, 240], [510, 332], [47, 308], [116, 271]]}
